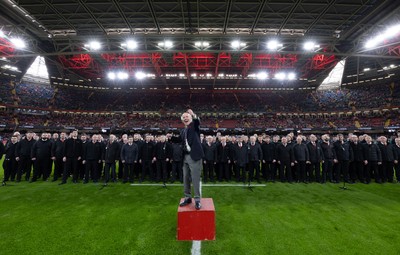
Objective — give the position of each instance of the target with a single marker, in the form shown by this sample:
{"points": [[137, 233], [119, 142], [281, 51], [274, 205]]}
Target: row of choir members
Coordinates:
{"points": [[243, 158]]}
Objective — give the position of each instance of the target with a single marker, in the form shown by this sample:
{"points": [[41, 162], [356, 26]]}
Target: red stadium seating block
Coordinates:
{"points": [[196, 225]]}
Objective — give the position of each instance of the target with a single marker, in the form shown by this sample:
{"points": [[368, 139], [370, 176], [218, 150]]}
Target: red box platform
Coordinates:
{"points": [[196, 225]]}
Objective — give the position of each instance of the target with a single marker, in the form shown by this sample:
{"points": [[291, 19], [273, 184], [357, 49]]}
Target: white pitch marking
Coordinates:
{"points": [[196, 248], [196, 245], [205, 185]]}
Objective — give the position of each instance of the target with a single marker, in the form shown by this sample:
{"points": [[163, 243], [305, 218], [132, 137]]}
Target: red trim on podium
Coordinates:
{"points": [[196, 225]]}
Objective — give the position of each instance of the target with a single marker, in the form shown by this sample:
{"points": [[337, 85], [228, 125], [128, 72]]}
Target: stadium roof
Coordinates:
{"points": [[201, 35]]}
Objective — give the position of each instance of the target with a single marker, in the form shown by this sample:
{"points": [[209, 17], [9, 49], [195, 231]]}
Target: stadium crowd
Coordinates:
{"points": [[359, 97], [259, 158], [276, 109]]}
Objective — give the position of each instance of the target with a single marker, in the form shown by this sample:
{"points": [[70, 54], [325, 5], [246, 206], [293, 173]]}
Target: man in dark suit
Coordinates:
{"points": [[57, 150], [316, 157], [285, 158], [10, 163], [210, 159], [193, 154], [301, 158], [357, 166], [110, 157], [268, 149], [23, 156], [397, 158], [388, 156], [255, 157], [329, 158], [147, 158], [41, 154], [373, 159], [129, 156], [162, 153], [71, 155], [91, 158], [176, 160], [241, 160], [223, 155], [344, 155]]}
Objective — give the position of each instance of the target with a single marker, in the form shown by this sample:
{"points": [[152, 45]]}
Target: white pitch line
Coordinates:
{"points": [[205, 185], [196, 248], [196, 245]]}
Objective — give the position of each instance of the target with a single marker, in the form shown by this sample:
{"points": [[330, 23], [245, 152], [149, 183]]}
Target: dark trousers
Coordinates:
{"points": [[128, 172], [177, 171], [343, 168], [223, 171], [372, 169], [10, 169], [386, 171], [240, 172], [71, 166], [208, 170], [24, 167], [41, 168], [327, 168], [314, 172], [58, 168], [397, 168], [81, 169], [100, 167], [285, 171], [91, 170], [107, 168], [147, 169], [120, 169], [137, 169], [301, 171], [254, 165], [357, 171], [268, 171], [162, 173]]}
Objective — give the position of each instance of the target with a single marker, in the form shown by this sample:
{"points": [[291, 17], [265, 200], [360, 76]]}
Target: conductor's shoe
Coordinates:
{"points": [[186, 202], [61, 183], [197, 205]]}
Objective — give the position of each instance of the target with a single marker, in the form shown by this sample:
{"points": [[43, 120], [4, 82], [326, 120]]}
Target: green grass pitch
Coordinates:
{"points": [[44, 218]]}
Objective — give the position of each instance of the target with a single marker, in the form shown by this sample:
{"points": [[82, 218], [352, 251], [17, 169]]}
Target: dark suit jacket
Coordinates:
{"points": [[210, 152], [255, 152], [284, 153], [315, 151], [193, 138], [241, 155]]}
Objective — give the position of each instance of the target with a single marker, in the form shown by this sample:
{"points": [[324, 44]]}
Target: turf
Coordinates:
{"points": [[44, 218]]}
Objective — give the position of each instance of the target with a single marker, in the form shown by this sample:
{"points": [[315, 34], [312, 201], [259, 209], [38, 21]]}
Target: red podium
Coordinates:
{"points": [[196, 225]]}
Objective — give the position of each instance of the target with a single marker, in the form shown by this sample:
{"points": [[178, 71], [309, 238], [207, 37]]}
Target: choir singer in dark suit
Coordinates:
{"points": [[192, 159]]}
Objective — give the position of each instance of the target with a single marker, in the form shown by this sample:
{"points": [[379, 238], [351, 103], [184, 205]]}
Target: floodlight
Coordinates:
{"points": [[310, 46], [273, 45], [235, 44], [130, 45], [111, 75], [93, 45], [140, 75], [280, 76], [18, 43], [291, 76], [122, 75], [168, 44], [262, 75]]}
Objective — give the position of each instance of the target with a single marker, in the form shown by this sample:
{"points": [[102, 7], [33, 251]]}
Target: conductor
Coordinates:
{"points": [[192, 159]]}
